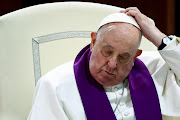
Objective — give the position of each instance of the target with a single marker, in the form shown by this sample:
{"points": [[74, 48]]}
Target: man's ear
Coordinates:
{"points": [[138, 53], [93, 40]]}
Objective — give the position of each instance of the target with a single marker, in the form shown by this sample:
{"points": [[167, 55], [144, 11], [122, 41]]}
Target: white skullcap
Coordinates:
{"points": [[118, 17]]}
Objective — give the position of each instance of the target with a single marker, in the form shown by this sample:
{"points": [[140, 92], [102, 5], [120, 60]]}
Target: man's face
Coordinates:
{"points": [[114, 49]]}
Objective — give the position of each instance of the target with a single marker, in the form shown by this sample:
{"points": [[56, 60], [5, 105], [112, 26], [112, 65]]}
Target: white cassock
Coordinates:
{"points": [[57, 98]]}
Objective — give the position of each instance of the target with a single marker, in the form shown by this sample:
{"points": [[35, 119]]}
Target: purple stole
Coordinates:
{"points": [[96, 104]]}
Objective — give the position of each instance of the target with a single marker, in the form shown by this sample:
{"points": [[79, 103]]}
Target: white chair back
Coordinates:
{"points": [[35, 40]]}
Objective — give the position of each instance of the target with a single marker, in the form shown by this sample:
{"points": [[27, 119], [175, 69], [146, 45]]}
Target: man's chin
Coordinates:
{"points": [[106, 83], [105, 80]]}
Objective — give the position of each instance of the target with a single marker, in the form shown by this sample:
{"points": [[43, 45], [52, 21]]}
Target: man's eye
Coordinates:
{"points": [[123, 59], [107, 53]]}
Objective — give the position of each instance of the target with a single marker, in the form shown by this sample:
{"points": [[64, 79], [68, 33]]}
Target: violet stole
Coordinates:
{"points": [[96, 104]]}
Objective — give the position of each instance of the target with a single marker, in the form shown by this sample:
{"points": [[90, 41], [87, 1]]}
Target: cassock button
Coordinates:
{"points": [[126, 113]]}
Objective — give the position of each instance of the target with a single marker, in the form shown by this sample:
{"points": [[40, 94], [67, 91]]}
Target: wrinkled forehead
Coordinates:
{"points": [[119, 29], [118, 34]]}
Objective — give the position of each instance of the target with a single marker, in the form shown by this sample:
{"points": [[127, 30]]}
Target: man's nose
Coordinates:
{"points": [[112, 62]]}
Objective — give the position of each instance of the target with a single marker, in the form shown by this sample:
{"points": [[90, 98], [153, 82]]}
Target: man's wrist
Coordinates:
{"points": [[164, 42], [157, 37]]}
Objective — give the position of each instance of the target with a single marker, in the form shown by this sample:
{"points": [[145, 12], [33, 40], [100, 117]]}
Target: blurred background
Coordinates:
{"points": [[163, 12]]}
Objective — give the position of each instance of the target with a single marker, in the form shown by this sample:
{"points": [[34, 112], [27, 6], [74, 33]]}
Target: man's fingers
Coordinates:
{"points": [[132, 8], [122, 11], [132, 13]]}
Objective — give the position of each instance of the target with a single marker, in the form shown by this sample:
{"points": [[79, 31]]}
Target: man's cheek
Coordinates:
{"points": [[129, 67]]}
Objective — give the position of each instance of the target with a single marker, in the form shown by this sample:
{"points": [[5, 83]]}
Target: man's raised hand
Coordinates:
{"points": [[149, 30]]}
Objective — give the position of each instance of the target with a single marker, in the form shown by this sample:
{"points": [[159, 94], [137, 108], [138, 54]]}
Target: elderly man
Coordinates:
{"points": [[108, 82]]}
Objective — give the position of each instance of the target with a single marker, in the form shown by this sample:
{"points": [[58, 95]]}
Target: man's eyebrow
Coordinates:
{"points": [[108, 46], [126, 53], [123, 54]]}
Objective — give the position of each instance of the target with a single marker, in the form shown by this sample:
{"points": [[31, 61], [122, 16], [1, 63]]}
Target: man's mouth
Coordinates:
{"points": [[109, 73]]}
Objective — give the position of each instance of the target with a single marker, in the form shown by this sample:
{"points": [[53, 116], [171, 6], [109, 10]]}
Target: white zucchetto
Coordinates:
{"points": [[118, 17]]}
